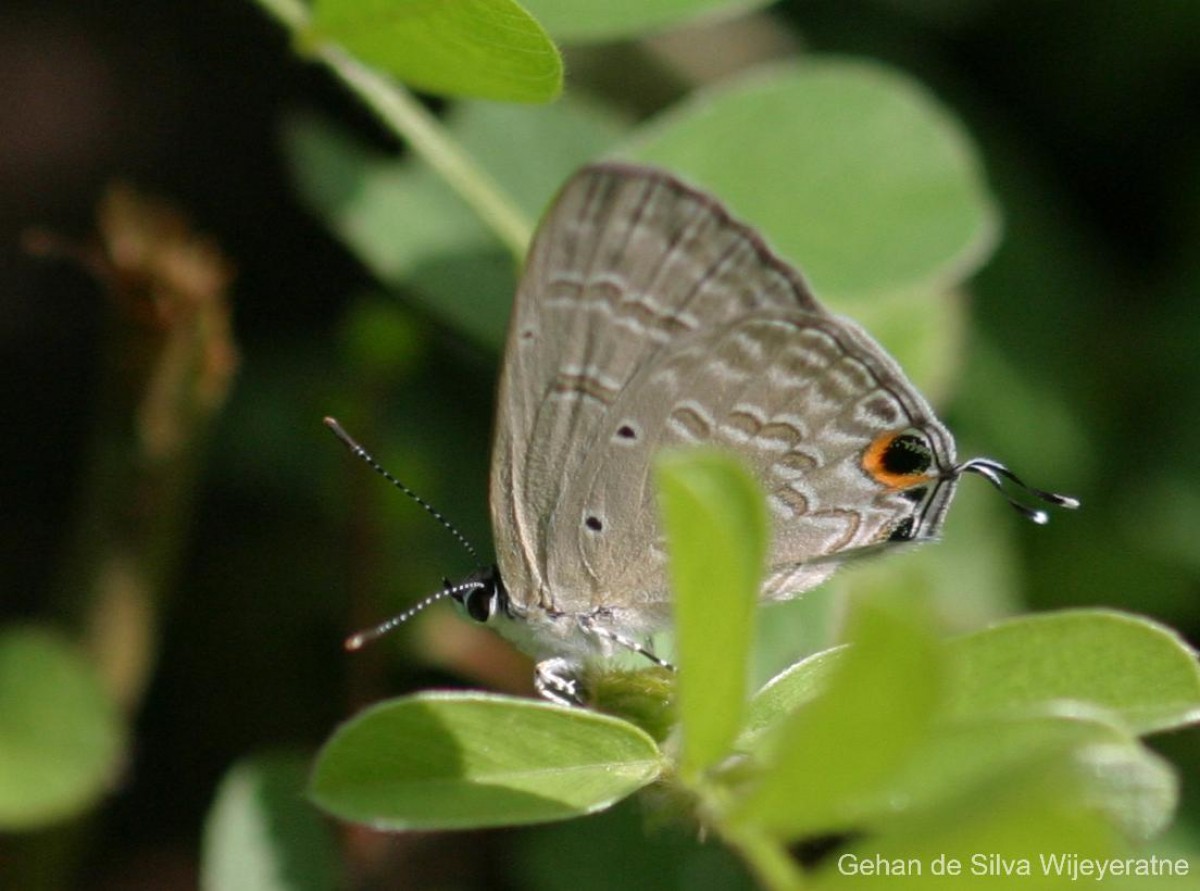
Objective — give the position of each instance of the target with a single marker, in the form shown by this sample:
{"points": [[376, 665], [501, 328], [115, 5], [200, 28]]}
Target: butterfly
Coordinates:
{"points": [[647, 317]]}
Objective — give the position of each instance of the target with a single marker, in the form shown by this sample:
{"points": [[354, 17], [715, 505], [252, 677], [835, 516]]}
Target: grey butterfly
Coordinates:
{"points": [[647, 317]]}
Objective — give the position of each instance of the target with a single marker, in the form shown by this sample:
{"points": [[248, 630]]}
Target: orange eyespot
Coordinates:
{"points": [[898, 459]]}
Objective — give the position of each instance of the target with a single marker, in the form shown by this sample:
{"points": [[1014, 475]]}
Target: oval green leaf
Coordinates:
{"points": [[458, 761], [61, 736], [584, 20], [716, 528], [261, 834], [490, 49], [853, 171], [1139, 670]]}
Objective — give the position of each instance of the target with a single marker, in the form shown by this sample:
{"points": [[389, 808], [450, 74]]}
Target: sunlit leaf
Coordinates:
{"points": [[582, 20], [1136, 668], [454, 761], [490, 49], [716, 529]]}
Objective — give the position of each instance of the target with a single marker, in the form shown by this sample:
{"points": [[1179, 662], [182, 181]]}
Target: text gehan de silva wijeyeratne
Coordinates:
{"points": [[1067, 866]]}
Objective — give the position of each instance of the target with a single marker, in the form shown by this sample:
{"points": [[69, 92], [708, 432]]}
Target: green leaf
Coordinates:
{"points": [[1135, 788], [929, 352], [1010, 834], [716, 527], [1116, 773], [261, 834], [1138, 669], [490, 49], [833, 754], [855, 173], [586, 854], [789, 690], [582, 20], [61, 736], [456, 761], [414, 233]]}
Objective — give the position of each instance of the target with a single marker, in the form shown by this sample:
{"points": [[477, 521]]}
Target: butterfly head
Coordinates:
{"points": [[482, 595]]}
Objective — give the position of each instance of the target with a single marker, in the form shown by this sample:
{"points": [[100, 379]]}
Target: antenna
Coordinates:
{"points": [[362, 638], [361, 453], [996, 473]]}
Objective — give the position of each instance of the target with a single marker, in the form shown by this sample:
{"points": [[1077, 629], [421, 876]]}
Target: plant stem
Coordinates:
{"points": [[768, 860], [400, 111], [766, 856]]}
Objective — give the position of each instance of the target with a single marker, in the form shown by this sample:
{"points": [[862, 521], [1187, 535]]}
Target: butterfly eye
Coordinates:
{"points": [[480, 604]]}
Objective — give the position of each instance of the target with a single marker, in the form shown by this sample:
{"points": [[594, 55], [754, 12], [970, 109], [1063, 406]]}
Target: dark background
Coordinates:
{"points": [[1086, 114]]}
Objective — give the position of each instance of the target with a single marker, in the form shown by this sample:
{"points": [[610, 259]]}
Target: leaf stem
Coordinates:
{"points": [[770, 862], [401, 112]]}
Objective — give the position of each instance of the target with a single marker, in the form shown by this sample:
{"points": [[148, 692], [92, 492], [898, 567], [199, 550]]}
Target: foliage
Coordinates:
{"points": [[927, 721], [1020, 740], [899, 729]]}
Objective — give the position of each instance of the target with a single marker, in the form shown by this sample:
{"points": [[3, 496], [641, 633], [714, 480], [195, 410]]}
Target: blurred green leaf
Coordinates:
{"points": [[61, 736], [834, 752], [262, 835], [716, 527], [567, 134], [1138, 669], [1135, 788], [405, 225], [789, 690], [854, 172], [582, 20], [490, 49], [446, 761], [1003, 835], [924, 331], [414, 233], [1117, 775]]}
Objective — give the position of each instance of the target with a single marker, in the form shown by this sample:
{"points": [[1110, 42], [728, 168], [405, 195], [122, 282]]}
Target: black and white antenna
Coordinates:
{"points": [[996, 473], [362, 638]]}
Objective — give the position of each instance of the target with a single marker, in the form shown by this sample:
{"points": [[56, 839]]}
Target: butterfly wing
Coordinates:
{"points": [[647, 317]]}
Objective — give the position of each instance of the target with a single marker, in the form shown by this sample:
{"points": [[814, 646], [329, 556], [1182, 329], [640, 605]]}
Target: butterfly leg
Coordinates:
{"points": [[630, 644], [558, 680]]}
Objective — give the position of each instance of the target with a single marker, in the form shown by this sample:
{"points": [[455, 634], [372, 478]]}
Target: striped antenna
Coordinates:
{"points": [[362, 638], [996, 473], [361, 453]]}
